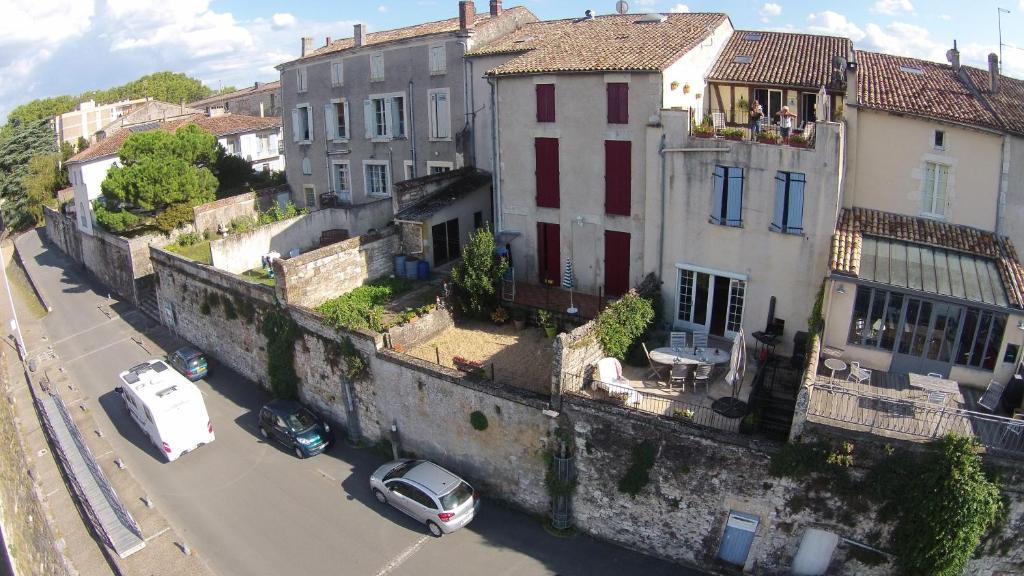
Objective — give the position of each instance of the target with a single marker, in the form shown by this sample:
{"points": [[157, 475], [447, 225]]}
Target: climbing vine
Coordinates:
{"points": [[638, 474], [281, 333]]}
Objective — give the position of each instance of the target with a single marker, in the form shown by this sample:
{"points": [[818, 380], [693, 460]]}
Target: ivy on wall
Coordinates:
{"points": [[281, 333], [638, 474]]}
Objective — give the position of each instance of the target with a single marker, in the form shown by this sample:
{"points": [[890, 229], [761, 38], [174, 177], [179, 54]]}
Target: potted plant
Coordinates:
{"points": [[500, 315], [769, 138], [733, 134], [703, 131], [547, 323], [518, 320], [798, 141]]}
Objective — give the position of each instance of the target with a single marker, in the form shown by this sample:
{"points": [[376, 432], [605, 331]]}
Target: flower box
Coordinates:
{"points": [[703, 134], [768, 139]]}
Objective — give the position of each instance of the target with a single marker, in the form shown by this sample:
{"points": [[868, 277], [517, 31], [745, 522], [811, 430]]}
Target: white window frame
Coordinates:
{"points": [[366, 177], [309, 191], [440, 131], [337, 72], [437, 57], [376, 67], [295, 123], [386, 132], [931, 206], [408, 169], [735, 303], [301, 79], [263, 141], [342, 189], [438, 164], [331, 120]]}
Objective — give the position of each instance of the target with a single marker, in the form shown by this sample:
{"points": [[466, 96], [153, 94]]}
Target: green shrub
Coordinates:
{"points": [[242, 224], [622, 322], [116, 221], [638, 474], [173, 217], [476, 278], [363, 308], [188, 239], [478, 420], [356, 366]]}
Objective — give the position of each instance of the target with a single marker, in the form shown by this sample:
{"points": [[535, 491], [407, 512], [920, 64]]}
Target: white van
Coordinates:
{"points": [[167, 406]]}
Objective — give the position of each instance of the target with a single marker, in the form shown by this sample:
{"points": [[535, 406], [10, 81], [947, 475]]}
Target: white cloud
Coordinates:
{"points": [[187, 26], [892, 7], [282, 21], [382, 8], [905, 40], [679, 8], [769, 11], [835, 24]]}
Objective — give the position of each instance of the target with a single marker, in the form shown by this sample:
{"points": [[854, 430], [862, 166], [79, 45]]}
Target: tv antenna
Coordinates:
{"points": [[999, 12], [622, 6]]}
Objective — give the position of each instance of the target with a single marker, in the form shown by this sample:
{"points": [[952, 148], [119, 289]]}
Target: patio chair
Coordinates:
{"points": [[1016, 427], [702, 375], [656, 370], [700, 339], [992, 396], [858, 374], [681, 373], [718, 121], [677, 339]]}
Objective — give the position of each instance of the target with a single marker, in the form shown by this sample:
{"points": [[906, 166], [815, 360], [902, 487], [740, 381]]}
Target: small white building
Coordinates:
{"points": [[253, 138]]}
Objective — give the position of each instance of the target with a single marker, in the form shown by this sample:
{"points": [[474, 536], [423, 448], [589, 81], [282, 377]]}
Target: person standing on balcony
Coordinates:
{"points": [[756, 113], [786, 122]]}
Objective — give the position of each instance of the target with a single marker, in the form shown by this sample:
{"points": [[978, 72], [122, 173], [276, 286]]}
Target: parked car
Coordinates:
{"points": [[427, 492], [294, 426], [190, 361]]}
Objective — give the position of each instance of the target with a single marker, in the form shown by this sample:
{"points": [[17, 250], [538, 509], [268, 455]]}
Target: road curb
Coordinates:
{"points": [[31, 281]]}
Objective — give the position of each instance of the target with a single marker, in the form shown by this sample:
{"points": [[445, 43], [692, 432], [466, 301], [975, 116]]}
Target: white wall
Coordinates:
{"points": [[692, 68], [88, 178], [248, 146]]}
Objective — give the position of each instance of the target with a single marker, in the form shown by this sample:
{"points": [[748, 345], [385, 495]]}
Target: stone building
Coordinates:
{"points": [[260, 99]]}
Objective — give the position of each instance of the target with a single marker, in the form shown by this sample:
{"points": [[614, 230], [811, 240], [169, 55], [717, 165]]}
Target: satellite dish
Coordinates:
{"points": [[839, 63], [622, 6]]}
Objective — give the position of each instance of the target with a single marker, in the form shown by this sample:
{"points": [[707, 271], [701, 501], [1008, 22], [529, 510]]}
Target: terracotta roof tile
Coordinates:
{"points": [[920, 88], [780, 59], [856, 223], [605, 43], [218, 125], [1007, 103]]}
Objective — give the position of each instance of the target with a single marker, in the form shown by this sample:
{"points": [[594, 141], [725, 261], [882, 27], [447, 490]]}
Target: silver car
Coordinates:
{"points": [[427, 492]]}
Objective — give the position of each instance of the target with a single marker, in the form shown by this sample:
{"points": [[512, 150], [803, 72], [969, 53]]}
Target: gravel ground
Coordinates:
{"points": [[521, 358]]}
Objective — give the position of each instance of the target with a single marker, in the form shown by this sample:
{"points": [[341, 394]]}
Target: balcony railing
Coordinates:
{"points": [[832, 403]]}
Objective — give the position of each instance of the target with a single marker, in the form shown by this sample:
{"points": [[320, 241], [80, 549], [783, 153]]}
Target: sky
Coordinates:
{"points": [[52, 47]]}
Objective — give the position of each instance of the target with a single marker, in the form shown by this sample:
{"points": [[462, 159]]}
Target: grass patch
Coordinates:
{"points": [[23, 289], [260, 276], [200, 251]]}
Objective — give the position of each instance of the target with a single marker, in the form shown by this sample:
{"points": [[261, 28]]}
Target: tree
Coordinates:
{"points": [[82, 144], [622, 322], [232, 172], [948, 506], [42, 180], [476, 277], [41, 108], [18, 145]]}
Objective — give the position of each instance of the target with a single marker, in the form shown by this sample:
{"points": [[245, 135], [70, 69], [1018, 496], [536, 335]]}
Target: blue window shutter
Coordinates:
{"points": [[735, 215], [795, 218], [779, 218], [716, 199]]}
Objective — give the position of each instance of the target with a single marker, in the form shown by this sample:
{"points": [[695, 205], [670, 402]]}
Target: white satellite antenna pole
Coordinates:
{"points": [[1000, 12], [622, 6]]}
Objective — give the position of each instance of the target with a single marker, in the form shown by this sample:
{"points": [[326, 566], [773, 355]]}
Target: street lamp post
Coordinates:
{"points": [[15, 326]]}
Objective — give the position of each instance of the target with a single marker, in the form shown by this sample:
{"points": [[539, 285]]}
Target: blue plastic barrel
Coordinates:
{"points": [[410, 267], [399, 266], [422, 270]]}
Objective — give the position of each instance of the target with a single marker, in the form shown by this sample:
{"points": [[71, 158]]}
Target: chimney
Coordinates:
{"points": [[467, 15], [953, 55], [993, 73], [359, 35], [307, 45], [495, 7]]}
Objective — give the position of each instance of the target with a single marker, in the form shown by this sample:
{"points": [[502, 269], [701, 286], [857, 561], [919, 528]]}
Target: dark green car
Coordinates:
{"points": [[295, 427]]}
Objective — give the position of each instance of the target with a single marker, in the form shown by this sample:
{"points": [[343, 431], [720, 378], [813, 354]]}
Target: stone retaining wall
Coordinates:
{"points": [[208, 216]]}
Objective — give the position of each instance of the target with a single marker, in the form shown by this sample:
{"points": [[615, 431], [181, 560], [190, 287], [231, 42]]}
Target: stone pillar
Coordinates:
{"points": [[803, 397]]}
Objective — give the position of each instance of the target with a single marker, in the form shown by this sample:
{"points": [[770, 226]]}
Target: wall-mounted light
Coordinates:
{"points": [[1020, 325], [841, 288]]}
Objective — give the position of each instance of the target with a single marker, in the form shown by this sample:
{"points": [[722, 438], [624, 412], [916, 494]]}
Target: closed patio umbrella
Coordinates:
{"points": [[737, 363], [567, 283], [824, 106]]}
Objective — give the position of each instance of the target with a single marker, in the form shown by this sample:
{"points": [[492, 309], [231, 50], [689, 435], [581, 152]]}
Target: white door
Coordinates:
{"points": [[710, 303], [815, 553]]}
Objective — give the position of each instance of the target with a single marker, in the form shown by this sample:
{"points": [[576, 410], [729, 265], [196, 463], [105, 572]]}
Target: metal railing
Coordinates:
{"points": [[919, 420], [691, 414]]}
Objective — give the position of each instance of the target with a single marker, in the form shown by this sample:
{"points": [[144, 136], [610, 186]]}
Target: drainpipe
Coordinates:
{"points": [[1004, 182], [467, 97], [411, 130], [495, 155], [664, 205]]}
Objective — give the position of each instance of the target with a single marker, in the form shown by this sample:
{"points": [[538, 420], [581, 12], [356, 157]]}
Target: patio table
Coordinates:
{"points": [[835, 365], [669, 355], [933, 384]]}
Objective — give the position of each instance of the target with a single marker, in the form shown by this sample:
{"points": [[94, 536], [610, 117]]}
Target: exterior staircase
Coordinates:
{"points": [[148, 303], [774, 397]]}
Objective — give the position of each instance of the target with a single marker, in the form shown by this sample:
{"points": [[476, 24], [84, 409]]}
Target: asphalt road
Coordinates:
{"points": [[252, 508]]}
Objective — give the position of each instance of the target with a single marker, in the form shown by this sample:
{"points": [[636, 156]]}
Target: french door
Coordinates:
{"points": [[710, 302], [927, 338]]}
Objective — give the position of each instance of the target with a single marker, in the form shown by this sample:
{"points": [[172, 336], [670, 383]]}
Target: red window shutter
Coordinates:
{"points": [[548, 254], [617, 176], [545, 102], [547, 172], [618, 103], [616, 263]]}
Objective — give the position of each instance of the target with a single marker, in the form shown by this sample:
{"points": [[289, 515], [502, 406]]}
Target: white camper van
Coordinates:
{"points": [[167, 406]]}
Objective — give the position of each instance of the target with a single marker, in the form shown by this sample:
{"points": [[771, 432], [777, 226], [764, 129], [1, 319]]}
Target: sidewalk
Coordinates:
{"points": [[84, 552]]}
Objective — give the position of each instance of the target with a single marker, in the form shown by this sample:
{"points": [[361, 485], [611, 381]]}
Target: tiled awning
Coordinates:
{"points": [[932, 270]]}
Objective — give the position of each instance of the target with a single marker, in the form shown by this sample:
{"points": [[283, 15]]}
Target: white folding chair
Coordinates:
{"points": [[858, 374], [700, 339], [677, 339], [702, 375], [993, 394], [718, 121]]}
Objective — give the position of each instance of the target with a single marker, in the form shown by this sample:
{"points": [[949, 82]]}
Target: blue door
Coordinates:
{"points": [[739, 535]]}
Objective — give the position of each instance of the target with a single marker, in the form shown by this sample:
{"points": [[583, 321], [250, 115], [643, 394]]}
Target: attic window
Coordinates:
{"points": [[652, 18], [912, 70], [753, 36], [522, 40], [743, 59]]}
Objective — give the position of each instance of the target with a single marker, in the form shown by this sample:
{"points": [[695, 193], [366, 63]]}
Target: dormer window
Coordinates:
{"points": [[912, 70], [743, 59]]}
